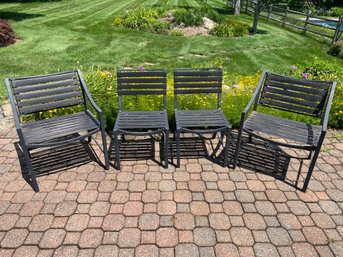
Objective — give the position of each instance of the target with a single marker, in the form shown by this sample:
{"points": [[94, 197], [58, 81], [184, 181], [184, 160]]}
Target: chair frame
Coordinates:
{"points": [[210, 87], [323, 114], [30, 174], [126, 86]]}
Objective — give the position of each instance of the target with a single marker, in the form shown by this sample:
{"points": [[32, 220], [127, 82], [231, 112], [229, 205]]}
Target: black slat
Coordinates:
{"points": [[197, 79], [290, 100], [198, 73], [197, 85], [142, 92], [303, 82], [53, 98], [140, 80], [50, 106], [293, 94], [288, 107], [52, 85], [43, 93], [141, 74], [196, 91], [293, 87], [42, 79], [139, 86]]}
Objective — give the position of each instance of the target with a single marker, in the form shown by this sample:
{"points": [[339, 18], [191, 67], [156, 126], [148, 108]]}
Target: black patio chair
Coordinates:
{"points": [[141, 123], [305, 97], [200, 122], [39, 94]]}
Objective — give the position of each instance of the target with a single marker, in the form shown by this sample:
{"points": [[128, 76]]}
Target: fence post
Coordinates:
{"points": [[270, 11], [338, 30], [306, 21], [285, 17], [246, 6]]}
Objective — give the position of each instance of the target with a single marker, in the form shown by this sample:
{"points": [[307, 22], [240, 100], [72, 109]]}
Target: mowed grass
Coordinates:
{"points": [[62, 35]]}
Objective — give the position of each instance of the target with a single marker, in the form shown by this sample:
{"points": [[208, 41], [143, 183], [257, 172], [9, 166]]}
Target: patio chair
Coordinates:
{"points": [[305, 97], [200, 122], [141, 123], [38, 94]]}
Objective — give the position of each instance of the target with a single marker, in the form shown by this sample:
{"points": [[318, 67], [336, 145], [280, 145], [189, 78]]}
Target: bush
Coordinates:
{"points": [[230, 28], [176, 32], [7, 35], [188, 17], [336, 11], [336, 49]]}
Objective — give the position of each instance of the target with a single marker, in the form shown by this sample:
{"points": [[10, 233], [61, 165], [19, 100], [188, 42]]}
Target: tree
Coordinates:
{"points": [[259, 4], [237, 7]]}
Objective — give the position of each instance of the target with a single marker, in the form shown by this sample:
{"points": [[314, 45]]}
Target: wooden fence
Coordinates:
{"points": [[305, 22]]}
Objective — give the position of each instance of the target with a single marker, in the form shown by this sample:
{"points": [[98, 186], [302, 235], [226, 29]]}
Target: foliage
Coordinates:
{"points": [[7, 35], [188, 17], [230, 28], [322, 70], [336, 11], [176, 32], [336, 49]]}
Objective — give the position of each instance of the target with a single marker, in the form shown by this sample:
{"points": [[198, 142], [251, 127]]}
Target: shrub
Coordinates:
{"points": [[176, 32], [336, 11], [230, 28], [188, 17], [336, 49], [7, 35]]}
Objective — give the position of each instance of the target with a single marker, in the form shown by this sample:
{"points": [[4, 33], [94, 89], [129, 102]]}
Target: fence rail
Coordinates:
{"points": [[305, 22]]}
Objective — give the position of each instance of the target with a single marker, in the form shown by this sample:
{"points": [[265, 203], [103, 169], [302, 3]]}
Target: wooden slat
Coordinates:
{"points": [[50, 106], [53, 98], [42, 79], [303, 82], [43, 93], [287, 92], [53, 85]]}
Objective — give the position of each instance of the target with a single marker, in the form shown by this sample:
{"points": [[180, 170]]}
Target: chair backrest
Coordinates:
{"points": [[142, 82], [307, 97], [198, 81], [45, 92]]}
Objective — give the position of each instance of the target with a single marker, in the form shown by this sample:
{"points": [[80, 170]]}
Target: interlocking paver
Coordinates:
{"points": [[204, 236], [223, 250], [166, 237], [52, 238]]}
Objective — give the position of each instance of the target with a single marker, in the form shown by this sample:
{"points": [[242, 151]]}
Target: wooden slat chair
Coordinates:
{"points": [[306, 97], [31, 95], [200, 122], [141, 123]]}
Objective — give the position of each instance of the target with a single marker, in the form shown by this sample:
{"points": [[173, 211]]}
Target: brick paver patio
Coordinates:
{"points": [[200, 209]]}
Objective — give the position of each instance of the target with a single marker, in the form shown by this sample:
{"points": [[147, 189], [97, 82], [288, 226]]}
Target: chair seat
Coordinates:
{"points": [[299, 132], [200, 119], [142, 120], [40, 132]]}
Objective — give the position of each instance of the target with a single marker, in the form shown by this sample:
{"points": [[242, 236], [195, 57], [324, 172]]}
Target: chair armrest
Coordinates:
{"points": [[13, 106], [256, 94], [87, 94], [325, 118]]}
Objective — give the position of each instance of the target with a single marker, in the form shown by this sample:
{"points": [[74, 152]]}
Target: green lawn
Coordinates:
{"points": [[60, 35]]}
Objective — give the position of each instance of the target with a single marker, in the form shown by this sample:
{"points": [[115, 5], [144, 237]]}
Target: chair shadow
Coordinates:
{"points": [[57, 159], [18, 16]]}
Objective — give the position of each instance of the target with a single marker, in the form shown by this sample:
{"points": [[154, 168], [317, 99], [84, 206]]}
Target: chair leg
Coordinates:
{"points": [[31, 172], [166, 148], [310, 169], [178, 148], [117, 150], [226, 151], [106, 154]]}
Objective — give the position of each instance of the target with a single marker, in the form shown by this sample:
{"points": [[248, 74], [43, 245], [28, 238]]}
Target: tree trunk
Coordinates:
{"points": [[238, 7], [258, 8]]}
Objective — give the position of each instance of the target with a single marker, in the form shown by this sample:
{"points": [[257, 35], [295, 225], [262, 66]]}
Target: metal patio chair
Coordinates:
{"points": [[305, 97], [141, 123], [200, 122], [38, 94]]}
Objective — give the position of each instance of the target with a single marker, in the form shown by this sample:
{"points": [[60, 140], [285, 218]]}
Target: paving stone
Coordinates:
{"points": [[167, 186], [65, 208], [304, 250], [199, 208], [22, 197], [166, 237], [193, 168], [185, 236], [233, 208], [241, 236], [87, 196], [219, 221], [323, 220], [226, 186], [279, 236], [245, 196], [289, 221], [149, 221], [91, 238], [151, 196], [213, 196], [204, 236], [52, 238], [166, 208], [14, 238], [196, 186], [207, 252], [146, 251], [254, 221], [113, 222], [66, 250], [225, 250], [182, 250], [41, 222], [7, 221], [137, 186], [77, 222], [99, 209], [265, 249], [337, 248], [107, 251], [182, 196], [256, 185], [324, 251], [330, 207], [55, 197], [26, 250], [134, 208], [315, 235], [184, 221], [298, 208], [77, 186]]}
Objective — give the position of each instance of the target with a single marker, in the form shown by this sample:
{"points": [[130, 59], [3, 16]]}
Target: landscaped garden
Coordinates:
{"points": [[98, 37]]}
